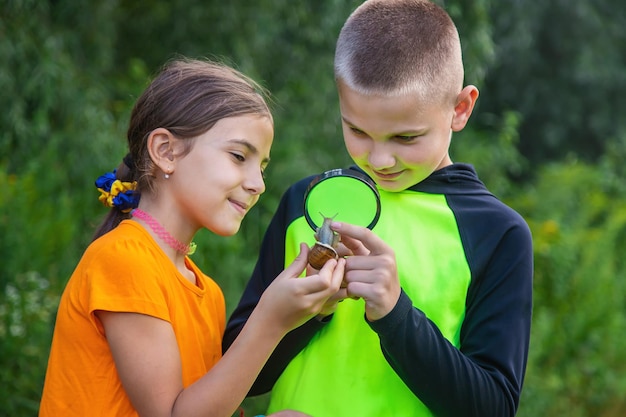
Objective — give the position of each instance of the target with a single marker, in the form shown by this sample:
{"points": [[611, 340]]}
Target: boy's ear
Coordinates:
{"points": [[161, 149], [464, 106]]}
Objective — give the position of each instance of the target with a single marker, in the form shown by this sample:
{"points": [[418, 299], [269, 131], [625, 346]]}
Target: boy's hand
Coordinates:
{"points": [[371, 273]]}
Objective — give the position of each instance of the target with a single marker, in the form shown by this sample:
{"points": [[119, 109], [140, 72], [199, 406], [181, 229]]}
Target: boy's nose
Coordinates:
{"points": [[380, 157]]}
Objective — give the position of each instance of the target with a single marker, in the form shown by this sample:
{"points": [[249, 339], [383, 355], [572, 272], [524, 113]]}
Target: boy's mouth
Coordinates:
{"points": [[387, 176]]}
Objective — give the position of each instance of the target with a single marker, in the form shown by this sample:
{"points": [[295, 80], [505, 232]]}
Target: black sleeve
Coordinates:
{"points": [[269, 265], [484, 377]]}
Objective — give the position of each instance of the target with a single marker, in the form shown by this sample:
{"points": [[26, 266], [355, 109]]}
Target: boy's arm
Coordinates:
{"points": [[485, 376]]}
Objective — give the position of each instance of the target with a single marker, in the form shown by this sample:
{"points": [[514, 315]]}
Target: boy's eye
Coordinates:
{"points": [[405, 138], [357, 131]]}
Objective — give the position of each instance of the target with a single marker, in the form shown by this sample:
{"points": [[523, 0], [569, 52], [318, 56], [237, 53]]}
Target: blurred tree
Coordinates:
{"points": [[55, 129], [560, 64]]}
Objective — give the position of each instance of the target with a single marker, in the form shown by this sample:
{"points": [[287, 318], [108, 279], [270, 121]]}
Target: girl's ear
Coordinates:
{"points": [[161, 149], [464, 106]]}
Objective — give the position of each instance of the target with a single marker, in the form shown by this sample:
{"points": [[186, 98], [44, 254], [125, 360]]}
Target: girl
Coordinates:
{"points": [[139, 326]]}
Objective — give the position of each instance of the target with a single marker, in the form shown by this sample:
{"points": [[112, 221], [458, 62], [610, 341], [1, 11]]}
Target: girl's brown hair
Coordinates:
{"points": [[187, 97]]}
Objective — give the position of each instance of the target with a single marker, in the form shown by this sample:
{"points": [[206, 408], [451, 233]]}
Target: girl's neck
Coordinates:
{"points": [[163, 234]]}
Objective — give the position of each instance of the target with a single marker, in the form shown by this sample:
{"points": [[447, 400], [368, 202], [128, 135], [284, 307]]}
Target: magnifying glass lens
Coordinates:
{"points": [[346, 195]]}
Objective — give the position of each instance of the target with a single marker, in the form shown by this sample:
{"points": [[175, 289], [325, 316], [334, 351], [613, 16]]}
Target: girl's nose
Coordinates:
{"points": [[255, 183]]}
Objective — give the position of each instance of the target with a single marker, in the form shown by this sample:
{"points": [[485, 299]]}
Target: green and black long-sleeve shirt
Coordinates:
{"points": [[456, 343]]}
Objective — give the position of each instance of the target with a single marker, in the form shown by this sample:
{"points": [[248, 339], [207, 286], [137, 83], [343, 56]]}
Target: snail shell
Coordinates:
{"points": [[324, 248], [320, 253]]}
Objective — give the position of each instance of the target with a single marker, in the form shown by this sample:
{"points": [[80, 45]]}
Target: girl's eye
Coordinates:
{"points": [[238, 157]]}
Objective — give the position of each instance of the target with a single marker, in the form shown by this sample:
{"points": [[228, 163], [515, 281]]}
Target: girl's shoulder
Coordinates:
{"points": [[127, 250]]}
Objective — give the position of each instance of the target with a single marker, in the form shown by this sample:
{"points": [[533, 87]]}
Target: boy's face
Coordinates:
{"points": [[398, 141]]}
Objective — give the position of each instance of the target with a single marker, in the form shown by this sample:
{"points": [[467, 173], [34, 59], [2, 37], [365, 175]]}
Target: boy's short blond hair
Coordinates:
{"points": [[394, 47]]}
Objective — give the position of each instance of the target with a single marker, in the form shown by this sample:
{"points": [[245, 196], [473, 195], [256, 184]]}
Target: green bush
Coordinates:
{"points": [[577, 358], [27, 306]]}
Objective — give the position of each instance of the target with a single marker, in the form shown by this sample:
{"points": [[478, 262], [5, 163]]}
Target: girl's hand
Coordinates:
{"points": [[292, 300], [331, 304]]}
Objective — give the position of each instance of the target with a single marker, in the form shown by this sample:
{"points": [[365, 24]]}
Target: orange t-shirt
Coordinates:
{"points": [[126, 271]]}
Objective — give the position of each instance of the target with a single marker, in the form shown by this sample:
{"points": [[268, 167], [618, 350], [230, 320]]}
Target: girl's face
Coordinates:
{"points": [[397, 140], [217, 183]]}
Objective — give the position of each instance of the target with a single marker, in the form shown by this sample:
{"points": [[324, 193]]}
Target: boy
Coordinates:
{"points": [[436, 308]]}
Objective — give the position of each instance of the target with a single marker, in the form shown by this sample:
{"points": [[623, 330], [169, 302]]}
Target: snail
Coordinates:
{"points": [[326, 242]]}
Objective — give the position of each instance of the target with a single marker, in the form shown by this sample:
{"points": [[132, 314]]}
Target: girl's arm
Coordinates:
{"points": [[147, 358]]}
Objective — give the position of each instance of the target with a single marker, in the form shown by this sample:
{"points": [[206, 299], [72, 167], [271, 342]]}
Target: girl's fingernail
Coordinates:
{"points": [[335, 225]]}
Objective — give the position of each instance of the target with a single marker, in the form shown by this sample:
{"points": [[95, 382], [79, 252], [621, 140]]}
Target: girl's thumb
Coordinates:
{"points": [[299, 264]]}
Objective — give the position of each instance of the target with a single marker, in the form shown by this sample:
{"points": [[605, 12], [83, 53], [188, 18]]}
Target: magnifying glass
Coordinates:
{"points": [[344, 195]]}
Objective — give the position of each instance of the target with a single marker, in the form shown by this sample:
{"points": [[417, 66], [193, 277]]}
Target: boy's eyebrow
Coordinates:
{"points": [[412, 131], [250, 147]]}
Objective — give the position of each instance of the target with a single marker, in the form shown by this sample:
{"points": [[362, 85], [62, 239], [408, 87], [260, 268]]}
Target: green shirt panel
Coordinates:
{"points": [[342, 371]]}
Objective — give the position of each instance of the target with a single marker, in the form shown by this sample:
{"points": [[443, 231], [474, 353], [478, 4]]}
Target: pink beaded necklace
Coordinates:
{"points": [[156, 227]]}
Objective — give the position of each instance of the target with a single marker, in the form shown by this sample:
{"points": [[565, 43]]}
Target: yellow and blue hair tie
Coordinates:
{"points": [[116, 193]]}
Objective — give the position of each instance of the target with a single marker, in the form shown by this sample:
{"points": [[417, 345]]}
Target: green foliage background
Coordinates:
{"points": [[546, 137]]}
